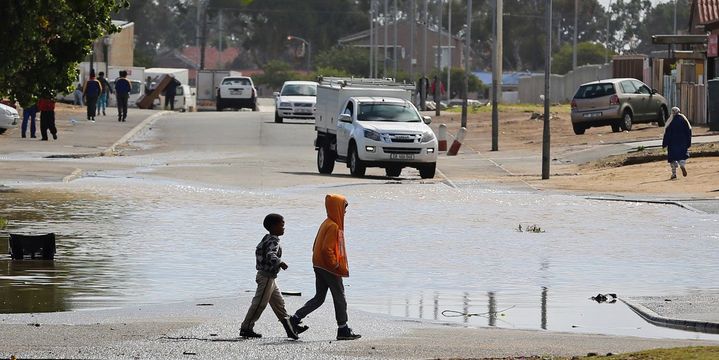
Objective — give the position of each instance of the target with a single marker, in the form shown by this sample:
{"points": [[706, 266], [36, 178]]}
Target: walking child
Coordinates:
{"points": [[329, 259], [122, 90], [268, 255], [104, 98], [46, 105], [28, 115], [91, 92]]}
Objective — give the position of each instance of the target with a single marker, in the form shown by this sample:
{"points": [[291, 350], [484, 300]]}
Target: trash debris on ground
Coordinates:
{"points": [[531, 228]]}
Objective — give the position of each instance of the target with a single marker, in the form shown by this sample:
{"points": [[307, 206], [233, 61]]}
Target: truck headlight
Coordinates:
{"points": [[285, 105], [372, 135], [427, 137]]}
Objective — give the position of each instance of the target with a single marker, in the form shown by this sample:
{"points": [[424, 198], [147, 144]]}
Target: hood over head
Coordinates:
{"points": [[335, 205]]}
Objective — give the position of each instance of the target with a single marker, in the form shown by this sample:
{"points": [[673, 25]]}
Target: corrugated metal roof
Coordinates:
{"points": [[708, 11]]}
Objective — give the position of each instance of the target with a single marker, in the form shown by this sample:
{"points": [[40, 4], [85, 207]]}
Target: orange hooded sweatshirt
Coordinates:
{"points": [[328, 252]]}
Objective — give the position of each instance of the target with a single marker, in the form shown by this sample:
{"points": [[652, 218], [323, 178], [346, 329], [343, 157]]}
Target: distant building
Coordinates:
{"points": [[189, 58], [450, 45], [704, 19], [117, 48]]}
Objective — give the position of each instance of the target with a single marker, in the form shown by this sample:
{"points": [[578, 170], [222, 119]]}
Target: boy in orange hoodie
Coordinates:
{"points": [[329, 260]]}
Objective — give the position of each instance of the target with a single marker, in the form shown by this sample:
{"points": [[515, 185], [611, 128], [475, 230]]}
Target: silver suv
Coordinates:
{"points": [[618, 103], [236, 92]]}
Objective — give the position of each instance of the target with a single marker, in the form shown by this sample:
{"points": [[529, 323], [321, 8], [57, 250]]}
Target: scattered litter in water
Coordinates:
{"points": [[605, 298], [531, 228], [453, 313]]}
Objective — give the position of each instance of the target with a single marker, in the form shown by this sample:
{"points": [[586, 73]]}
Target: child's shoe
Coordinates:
{"points": [[249, 334], [345, 333], [288, 328], [297, 325]]}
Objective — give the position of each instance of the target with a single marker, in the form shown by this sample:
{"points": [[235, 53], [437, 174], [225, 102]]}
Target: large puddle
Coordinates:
{"points": [[415, 250]]}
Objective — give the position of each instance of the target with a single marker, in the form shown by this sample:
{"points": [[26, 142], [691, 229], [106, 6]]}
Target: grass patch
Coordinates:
{"points": [[528, 108], [685, 353]]}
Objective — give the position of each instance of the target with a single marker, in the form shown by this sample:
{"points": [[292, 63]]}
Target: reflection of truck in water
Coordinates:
{"points": [[372, 123]]}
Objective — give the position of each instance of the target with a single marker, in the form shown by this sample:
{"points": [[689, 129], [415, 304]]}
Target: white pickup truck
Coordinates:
{"points": [[372, 123]]}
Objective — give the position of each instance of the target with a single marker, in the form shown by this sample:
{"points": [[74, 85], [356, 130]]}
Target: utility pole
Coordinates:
{"points": [[609, 16], [203, 41], [386, 55], [197, 39], [412, 27], [219, 30], [450, 47], [424, 40], [467, 38], [497, 75], [547, 69], [437, 84], [574, 48], [394, 48], [371, 39], [675, 17]]}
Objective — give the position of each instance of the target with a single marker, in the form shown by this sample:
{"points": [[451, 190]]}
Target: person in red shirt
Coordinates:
{"points": [[46, 105]]}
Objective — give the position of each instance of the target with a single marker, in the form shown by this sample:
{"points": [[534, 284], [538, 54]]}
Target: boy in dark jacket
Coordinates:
{"points": [[91, 92], [268, 256]]}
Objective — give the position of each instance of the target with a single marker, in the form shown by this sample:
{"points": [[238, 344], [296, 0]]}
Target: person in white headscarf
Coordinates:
{"points": [[677, 140]]}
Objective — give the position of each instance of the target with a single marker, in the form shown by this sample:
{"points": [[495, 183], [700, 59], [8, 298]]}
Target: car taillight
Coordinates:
{"points": [[614, 100], [574, 104]]}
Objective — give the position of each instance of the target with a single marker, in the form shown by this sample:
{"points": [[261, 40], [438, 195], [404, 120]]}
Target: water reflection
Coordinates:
{"points": [[126, 242]]}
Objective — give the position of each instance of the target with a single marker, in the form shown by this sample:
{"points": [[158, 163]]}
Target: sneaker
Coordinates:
{"points": [[23, 136], [54, 136], [673, 177], [297, 325], [249, 334], [103, 113], [684, 171], [345, 333], [288, 328]]}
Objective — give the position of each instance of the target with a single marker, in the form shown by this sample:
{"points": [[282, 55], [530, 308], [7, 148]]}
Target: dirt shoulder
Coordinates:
{"points": [[604, 165]]}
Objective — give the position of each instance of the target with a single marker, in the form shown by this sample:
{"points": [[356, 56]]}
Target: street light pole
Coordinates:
{"points": [[308, 53], [438, 82], [497, 72], [574, 48], [467, 38], [547, 70], [609, 16]]}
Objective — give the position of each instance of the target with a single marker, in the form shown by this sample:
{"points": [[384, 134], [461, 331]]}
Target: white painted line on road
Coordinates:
{"points": [[73, 176], [447, 180], [111, 150]]}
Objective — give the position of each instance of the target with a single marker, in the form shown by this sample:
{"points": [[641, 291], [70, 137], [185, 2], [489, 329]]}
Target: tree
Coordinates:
{"points": [[587, 53], [276, 72], [351, 60], [46, 40], [627, 21]]}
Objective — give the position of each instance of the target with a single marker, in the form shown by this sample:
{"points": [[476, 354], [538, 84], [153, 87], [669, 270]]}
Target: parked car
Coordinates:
{"points": [[9, 117], [618, 103], [297, 99], [236, 92]]}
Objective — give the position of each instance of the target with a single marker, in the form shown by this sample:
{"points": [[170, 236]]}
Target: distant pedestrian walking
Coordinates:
{"points": [[329, 259], [46, 105], [122, 91], [170, 92], [28, 114], [91, 92], [677, 140], [437, 92], [78, 95], [268, 256], [104, 98]]}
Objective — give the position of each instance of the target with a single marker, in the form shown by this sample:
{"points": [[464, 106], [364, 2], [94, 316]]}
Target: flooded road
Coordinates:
{"points": [[414, 249]]}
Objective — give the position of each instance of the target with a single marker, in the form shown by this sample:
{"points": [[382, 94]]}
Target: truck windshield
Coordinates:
{"points": [[299, 90], [387, 112]]}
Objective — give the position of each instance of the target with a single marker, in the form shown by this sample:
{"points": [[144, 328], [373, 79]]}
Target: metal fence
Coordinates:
{"points": [[562, 87]]}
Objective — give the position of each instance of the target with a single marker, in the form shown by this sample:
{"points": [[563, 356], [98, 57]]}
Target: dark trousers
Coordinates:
{"points": [[122, 106], [326, 280], [91, 102], [28, 115], [170, 101], [47, 122]]}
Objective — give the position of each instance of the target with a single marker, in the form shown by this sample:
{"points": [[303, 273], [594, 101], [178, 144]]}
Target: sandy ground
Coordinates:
{"points": [[521, 136]]}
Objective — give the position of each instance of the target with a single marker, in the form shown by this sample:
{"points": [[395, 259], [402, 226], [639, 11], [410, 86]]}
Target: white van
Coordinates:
{"points": [[135, 93]]}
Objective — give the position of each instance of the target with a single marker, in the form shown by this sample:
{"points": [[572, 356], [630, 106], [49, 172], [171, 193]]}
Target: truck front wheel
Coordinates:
{"points": [[325, 159], [357, 167], [427, 171]]}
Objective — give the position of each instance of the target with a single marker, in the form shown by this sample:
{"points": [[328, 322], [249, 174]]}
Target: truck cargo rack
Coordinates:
{"points": [[341, 82]]}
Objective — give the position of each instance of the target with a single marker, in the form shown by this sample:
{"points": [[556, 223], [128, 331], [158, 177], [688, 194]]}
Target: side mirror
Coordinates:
{"points": [[345, 118], [427, 120], [276, 94], [654, 91]]}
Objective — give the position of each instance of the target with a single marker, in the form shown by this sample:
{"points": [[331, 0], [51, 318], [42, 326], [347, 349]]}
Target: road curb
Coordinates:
{"points": [[653, 318], [110, 151], [647, 201]]}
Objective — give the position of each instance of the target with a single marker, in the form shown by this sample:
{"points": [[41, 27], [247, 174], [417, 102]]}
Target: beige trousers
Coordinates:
{"points": [[267, 293]]}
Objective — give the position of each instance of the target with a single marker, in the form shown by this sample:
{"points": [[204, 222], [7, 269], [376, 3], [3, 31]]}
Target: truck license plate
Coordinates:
{"points": [[593, 114], [401, 156], [236, 92]]}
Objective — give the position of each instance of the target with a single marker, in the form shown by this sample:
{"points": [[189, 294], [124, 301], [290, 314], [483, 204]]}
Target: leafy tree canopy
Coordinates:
{"points": [[44, 42], [587, 53]]}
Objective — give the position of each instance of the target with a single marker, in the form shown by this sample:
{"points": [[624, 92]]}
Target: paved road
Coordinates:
{"points": [[248, 150]]}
